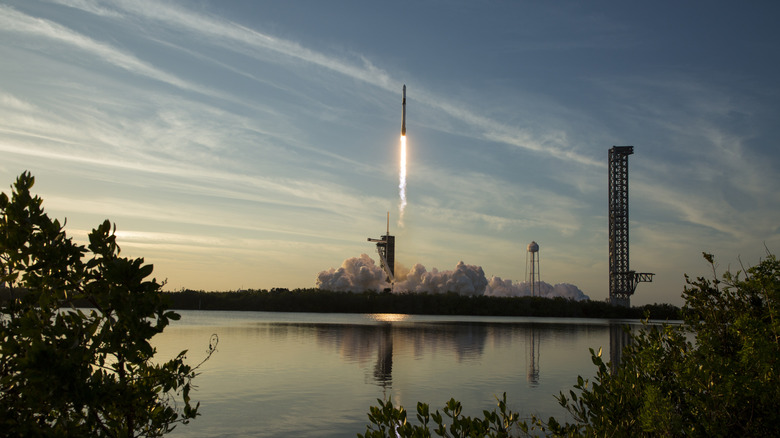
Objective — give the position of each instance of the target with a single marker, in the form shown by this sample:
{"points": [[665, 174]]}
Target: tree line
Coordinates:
{"points": [[324, 301]]}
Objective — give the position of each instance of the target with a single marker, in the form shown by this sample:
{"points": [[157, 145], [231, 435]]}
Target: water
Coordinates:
{"points": [[315, 375]]}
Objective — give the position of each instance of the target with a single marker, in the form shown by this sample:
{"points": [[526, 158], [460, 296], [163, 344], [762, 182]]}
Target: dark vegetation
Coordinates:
{"points": [[316, 300], [65, 371]]}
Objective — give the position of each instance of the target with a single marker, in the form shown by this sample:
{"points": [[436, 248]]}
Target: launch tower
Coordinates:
{"points": [[622, 280], [386, 249]]}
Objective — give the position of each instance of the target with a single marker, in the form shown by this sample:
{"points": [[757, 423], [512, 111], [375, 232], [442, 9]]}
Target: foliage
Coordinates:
{"points": [[67, 372], [388, 420], [717, 374]]}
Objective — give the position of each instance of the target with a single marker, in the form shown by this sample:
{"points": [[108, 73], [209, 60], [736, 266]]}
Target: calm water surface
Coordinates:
{"points": [[304, 374]]}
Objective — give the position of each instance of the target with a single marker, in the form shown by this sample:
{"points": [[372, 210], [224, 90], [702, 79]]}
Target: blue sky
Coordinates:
{"points": [[253, 144]]}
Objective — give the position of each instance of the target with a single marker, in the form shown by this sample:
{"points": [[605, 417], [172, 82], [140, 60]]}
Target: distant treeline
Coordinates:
{"points": [[317, 300]]}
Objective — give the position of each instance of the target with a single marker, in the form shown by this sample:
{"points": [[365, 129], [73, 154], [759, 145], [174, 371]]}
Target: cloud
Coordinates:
{"points": [[12, 21], [494, 131], [90, 6], [12, 102], [253, 43]]}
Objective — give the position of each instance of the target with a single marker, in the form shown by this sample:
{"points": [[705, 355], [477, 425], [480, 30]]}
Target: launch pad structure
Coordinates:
{"points": [[622, 280], [386, 249]]}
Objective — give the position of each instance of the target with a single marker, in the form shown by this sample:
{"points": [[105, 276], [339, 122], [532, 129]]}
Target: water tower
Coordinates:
{"points": [[532, 264]]}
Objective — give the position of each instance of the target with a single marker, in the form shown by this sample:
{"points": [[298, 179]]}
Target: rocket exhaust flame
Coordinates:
{"points": [[402, 183], [402, 177]]}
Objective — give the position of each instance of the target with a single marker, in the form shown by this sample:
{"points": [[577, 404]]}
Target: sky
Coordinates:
{"points": [[244, 144]]}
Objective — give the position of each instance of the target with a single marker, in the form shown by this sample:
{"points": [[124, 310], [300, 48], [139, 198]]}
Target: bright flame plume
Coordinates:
{"points": [[402, 183]]}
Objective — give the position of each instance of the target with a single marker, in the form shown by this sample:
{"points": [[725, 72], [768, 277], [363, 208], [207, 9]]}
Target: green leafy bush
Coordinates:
{"points": [[67, 372], [716, 374], [390, 421]]}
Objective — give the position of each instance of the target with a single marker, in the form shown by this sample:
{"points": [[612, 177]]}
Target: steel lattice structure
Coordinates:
{"points": [[386, 249], [622, 280]]}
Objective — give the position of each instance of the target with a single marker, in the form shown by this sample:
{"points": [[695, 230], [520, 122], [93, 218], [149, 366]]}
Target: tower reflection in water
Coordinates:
{"points": [[383, 370], [619, 338], [378, 341], [534, 351]]}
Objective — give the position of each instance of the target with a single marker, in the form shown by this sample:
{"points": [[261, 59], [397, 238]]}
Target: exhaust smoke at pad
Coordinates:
{"points": [[360, 274]]}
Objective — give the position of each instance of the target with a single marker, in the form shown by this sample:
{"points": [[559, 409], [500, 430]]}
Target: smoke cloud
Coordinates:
{"points": [[356, 274], [464, 280], [506, 288], [359, 274]]}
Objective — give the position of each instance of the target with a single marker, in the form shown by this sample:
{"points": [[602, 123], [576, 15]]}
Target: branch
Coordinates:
{"points": [[213, 341]]}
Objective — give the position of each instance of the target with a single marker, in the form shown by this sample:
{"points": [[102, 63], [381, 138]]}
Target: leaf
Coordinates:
{"points": [[72, 365]]}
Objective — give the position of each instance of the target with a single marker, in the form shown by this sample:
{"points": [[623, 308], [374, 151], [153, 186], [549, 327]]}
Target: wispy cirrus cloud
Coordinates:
{"points": [[91, 6], [254, 44], [15, 22]]}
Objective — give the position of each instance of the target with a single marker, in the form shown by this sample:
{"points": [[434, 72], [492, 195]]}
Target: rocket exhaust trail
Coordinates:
{"points": [[402, 183], [402, 172]]}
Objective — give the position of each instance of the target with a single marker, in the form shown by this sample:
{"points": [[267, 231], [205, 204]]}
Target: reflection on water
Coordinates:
{"points": [[273, 369], [619, 338], [467, 341], [357, 343], [388, 317], [534, 350], [383, 370]]}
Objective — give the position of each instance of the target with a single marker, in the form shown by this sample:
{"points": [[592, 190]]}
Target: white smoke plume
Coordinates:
{"points": [[356, 274], [359, 274], [464, 280], [506, 288]]}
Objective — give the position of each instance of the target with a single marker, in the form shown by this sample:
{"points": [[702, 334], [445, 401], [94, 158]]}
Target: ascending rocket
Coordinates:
{"points": [[403, 113]]}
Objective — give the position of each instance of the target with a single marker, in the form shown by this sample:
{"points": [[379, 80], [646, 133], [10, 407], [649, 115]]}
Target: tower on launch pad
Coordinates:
{"points": [[622, 280], [386, 249]]}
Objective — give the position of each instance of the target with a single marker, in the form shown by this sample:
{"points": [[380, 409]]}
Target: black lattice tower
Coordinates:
{"points": [[622, 280], [386, 249]]}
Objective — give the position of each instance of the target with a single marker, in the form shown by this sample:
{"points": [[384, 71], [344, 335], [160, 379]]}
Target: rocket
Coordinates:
{"points": [[403, 113]]}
